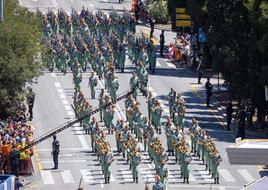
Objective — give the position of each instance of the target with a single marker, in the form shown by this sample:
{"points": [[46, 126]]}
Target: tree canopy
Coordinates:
{"points": [[237, 33], [20, 47]]}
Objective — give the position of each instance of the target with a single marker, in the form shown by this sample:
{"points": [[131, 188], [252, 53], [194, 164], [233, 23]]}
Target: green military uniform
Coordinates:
{"points": [[135, 160], [93, 82]]}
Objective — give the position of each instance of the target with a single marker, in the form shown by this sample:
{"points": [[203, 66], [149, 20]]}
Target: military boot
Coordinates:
{"points": [[187, 179], [137, 180], [133, 179], [218, 181], [108, 180], [105, 180], [183, 179], [215, 180]]}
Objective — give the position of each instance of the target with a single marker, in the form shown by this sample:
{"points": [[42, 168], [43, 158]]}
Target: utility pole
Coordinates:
{"points": [[1, 10]]}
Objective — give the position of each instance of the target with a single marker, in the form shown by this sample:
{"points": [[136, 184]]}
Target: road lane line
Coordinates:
{"points": [[60, 91], [227, 176], [67, 107], [204, 175], [57, 84], [67, 176], [65, 102], [47, 177], [246, 175], [87, 176], [62, 96], [191, 177], [83, 141], [70, 113], [64, 161]]}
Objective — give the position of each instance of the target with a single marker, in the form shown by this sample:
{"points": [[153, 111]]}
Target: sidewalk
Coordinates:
{"points": [[220, 96]]}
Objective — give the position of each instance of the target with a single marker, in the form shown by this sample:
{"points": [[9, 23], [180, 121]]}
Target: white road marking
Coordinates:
{"points": [[246, 175], [127, 175], [65, 102], [227, 176], [205, 176], [83, 141], [191, 177], [47, 177], [91, 5], [64, 161], [60, 91], [67, 176], [53, 75], [70, 113], [170, 65], [112, 178], [57, 84], [87, 176], [68, 108], [158, 64], [62, 96], [62, 149]]}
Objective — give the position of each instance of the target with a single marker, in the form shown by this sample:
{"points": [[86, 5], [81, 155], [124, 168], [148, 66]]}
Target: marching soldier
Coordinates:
{"points": [[107, 161], [192, 131], [133, 85], [156, 116], [114, 87], [186, 159], [135, 160], [101, 103], [93, 82], [158, 184], [150, 101], [216, 162]]}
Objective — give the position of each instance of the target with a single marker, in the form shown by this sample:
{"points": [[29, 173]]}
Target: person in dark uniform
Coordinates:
{"points": [[15, 161], [152, 27], [229, 112], [30, 100], [209, 88], [162, 42], [241, 116], [55, 151]]}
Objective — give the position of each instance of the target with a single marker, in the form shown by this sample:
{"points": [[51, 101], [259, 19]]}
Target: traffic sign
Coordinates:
{"points": [[183, 23], [183, 17], [180, 10]]}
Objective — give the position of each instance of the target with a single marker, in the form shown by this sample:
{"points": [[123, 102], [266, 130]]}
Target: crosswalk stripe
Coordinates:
{"points": [[191, 177], [112, 178], [126, 175], [67, 176], [47, 177], [204, 175], [246, 175], [87, 176], [227, 176]]}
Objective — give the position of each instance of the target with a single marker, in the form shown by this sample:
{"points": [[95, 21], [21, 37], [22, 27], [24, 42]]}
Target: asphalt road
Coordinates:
{"points": [[53, 108]]}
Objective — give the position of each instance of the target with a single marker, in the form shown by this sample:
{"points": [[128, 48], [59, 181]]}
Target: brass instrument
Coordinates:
{"points": [[157, 146]]}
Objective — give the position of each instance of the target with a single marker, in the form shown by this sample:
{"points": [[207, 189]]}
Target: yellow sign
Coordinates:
{"points": [[183, 16], [180, 10], [183, 23]]}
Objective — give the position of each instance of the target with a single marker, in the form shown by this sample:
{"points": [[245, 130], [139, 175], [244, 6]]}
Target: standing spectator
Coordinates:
{"points": [[152, 27], [137, 10], [30, 100], [229, 112], [250, 112], [15, 161], [162, 42], [18, 184], [55, 151], [200, 71], [241, 116], [209, 88]]}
